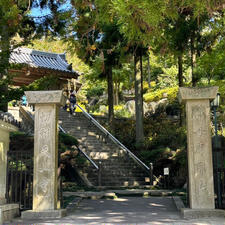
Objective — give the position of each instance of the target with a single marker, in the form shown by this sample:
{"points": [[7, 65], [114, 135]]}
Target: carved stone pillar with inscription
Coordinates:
{"points": [[200, 168], [45, 153]]}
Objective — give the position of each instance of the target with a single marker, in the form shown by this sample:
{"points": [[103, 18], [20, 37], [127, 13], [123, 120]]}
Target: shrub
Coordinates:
{"points": [[82, 106], [121, 112], [67, 140], [95, 91], [155, 155], [158, 94]]}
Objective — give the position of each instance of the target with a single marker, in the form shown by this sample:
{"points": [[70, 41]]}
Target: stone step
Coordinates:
{"points": [[117, 168], [123, 175], [122, 184], [117, 163], [102, 155], [121, 179]]}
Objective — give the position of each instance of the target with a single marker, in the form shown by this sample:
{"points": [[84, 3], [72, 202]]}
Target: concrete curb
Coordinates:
{"points": [[114, 193], [178, 202], [197, 213]]}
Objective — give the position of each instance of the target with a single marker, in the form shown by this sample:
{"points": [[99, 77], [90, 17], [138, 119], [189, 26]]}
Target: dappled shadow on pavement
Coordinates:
{"points": [[125, 210]]}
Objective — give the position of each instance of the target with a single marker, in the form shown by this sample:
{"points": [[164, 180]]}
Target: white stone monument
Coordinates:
{"points": [[200, 167], [45, 154], [7, 211]]}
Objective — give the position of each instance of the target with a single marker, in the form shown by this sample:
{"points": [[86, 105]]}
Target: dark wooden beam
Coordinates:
{"points": [[26, 76]]}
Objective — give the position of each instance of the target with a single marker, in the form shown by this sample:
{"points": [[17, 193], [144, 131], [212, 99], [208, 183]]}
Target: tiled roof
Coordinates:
{"points": [[39, 59]]}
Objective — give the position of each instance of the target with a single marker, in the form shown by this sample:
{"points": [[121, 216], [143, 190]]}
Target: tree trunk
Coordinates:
{"points": [[193, 62], [138, 104], [4, 64], [141, 71], [180, 81], [110, 94], [149, 72], [116, 93], [180, 69]]}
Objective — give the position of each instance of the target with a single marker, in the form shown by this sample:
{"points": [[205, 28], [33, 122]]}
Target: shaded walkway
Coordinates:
{"points": [[125, 210]]}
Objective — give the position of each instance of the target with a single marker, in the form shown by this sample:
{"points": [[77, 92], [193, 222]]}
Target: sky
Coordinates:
{"points": [[38, 12]]}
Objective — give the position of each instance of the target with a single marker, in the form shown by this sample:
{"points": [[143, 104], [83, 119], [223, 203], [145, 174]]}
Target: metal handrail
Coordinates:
{"points": [[86, 156], [60, 128], [116, 141]]}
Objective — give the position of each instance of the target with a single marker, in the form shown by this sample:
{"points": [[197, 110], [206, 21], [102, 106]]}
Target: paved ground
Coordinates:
{"points": [[124, 210]]}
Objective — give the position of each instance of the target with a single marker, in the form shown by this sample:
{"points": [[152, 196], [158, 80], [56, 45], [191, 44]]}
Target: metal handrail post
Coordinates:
{"points": [[151, 173], [100, 174]]}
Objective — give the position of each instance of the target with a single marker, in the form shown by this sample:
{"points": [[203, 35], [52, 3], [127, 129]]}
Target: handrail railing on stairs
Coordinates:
{"points": [[31, 118], [85, 155], [116, 141]]}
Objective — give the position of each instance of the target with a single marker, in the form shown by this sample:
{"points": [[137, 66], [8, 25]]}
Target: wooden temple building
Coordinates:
{"points": [[33, 65]]}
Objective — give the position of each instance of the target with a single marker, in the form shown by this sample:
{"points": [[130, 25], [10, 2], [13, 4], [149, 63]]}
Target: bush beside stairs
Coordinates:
{"points": [[117, 168]]}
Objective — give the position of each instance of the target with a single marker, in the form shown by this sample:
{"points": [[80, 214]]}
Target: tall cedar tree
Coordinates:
{"points": [[90, 36], [147, 21]]}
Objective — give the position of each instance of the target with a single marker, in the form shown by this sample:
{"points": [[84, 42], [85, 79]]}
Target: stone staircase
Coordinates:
{"points": [[117, 168]]}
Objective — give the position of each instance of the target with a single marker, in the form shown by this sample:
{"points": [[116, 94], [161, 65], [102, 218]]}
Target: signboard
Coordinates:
{"points": [[166, 171]]}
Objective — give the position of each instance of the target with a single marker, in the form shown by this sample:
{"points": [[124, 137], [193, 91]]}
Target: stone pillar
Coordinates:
{"points": [[4, 147], [5, 129], [7, 211], [200, 168], [45, 153]]}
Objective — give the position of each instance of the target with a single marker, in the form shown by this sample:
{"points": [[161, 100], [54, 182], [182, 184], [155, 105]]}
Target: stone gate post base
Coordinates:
{"points": [[47, 214], [8, 212], [201, 213]]}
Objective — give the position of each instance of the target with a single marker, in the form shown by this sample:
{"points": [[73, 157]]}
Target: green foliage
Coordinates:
{"points": [[180, 158], [121, 112], [158, 94], [221, 109], [156, 154], [138, 19], [125, 132], [44, 83], [95, 91], [19, 141], [60, 46], [105, 32], [14, 21], [67, 140], [73, 187], [17, 134], [145, 19], [166, 79], [211, 63], [165, 143], [8, 94]]}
